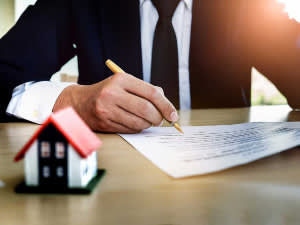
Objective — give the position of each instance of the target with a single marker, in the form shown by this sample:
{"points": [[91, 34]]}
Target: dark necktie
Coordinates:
{"points": [[164, 68]]}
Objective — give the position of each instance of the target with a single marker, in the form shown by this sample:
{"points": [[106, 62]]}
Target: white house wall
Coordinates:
{"points": [[31, 166], [77, 165], [94, 164], [91, 162], [74, 168]]}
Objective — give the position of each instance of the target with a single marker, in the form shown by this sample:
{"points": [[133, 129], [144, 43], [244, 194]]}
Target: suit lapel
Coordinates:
{"points": [[121, 34]]}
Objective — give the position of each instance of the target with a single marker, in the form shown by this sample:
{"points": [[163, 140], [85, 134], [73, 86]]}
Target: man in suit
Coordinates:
{"points": [[218, 42]]}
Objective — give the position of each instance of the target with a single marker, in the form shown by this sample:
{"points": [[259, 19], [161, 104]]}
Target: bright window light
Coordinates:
{"points": [[292, 8]]}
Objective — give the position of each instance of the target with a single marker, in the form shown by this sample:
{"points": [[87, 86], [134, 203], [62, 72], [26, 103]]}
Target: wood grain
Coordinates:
{"points": [[134, 191]]}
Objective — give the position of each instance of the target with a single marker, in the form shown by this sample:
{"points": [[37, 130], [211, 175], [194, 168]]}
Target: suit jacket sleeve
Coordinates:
{"points": [[274, 47], [36, 47]]}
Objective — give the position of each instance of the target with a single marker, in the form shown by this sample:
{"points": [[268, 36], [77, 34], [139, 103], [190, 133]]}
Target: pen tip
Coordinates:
{"points": [[176, 125]]}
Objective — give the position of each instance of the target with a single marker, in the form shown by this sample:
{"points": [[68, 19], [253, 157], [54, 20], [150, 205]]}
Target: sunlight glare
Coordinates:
{"points": [[292, 8]]}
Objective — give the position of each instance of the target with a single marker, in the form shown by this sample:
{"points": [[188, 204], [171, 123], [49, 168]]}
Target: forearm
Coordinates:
{"points": [[69, 97]]}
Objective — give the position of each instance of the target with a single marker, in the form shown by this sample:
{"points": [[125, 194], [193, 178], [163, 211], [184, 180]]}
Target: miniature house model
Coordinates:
{"points": [[61, 154]]}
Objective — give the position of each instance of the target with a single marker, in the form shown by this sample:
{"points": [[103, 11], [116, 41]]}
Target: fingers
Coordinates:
{"points": [[152, 93], [141, 108], [119, 128], [122, 103], [113, 125], [131, 121], [116, 117]]}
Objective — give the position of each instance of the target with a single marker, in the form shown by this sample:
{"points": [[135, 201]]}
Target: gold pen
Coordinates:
{"points": [[116, 69]]}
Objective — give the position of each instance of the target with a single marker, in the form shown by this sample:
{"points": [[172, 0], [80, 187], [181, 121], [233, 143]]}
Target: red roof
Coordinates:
{"points": [[75, 130]]}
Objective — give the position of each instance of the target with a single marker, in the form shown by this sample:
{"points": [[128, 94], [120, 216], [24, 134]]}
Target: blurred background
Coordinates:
{"points": [[263, 92]]}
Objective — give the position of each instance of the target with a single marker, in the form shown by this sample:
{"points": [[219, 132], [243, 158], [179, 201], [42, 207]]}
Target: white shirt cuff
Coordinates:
{"points": [[34, 101]]}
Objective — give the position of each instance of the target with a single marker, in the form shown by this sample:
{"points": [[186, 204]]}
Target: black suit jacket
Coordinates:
{"points": [[228, 38]]}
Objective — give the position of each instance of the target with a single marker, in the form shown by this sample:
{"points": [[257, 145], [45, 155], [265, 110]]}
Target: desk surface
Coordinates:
{"points": [[134, 191]]}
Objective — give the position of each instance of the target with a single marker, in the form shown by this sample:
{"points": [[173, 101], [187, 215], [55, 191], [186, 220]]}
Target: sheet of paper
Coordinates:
{"points": [[206, 149]]}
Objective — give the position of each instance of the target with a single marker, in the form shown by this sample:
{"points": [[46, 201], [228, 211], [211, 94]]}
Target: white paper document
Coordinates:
{"points": [[206, 149]]}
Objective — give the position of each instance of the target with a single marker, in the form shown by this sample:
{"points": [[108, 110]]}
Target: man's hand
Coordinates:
{"points": [[121, 103]]}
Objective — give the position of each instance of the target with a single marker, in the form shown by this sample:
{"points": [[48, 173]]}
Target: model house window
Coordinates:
{"points": [[46, 171], [59, 150], [45, 149], [60, 171]]}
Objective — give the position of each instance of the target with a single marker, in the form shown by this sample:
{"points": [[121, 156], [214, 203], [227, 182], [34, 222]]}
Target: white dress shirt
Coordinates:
{"points": [[34, 101]]}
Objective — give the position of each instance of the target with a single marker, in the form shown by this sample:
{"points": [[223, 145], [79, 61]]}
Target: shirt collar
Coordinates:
{"points": [[188, 3]]}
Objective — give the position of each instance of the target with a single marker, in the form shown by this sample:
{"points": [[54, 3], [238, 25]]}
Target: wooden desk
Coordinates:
{"points": [[134, 191]]}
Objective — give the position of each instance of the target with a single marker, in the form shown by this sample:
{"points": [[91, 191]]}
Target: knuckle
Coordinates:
{"points": [[118, 77], [160, 90], [154, 93], [137, 131], [135, 124], [106, 92], [157, 120], [101, 112], [146, 108], [146, 125], [139, 124]]}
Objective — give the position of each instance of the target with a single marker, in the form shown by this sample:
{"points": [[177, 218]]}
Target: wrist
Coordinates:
{"points": [[67, 98]]}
